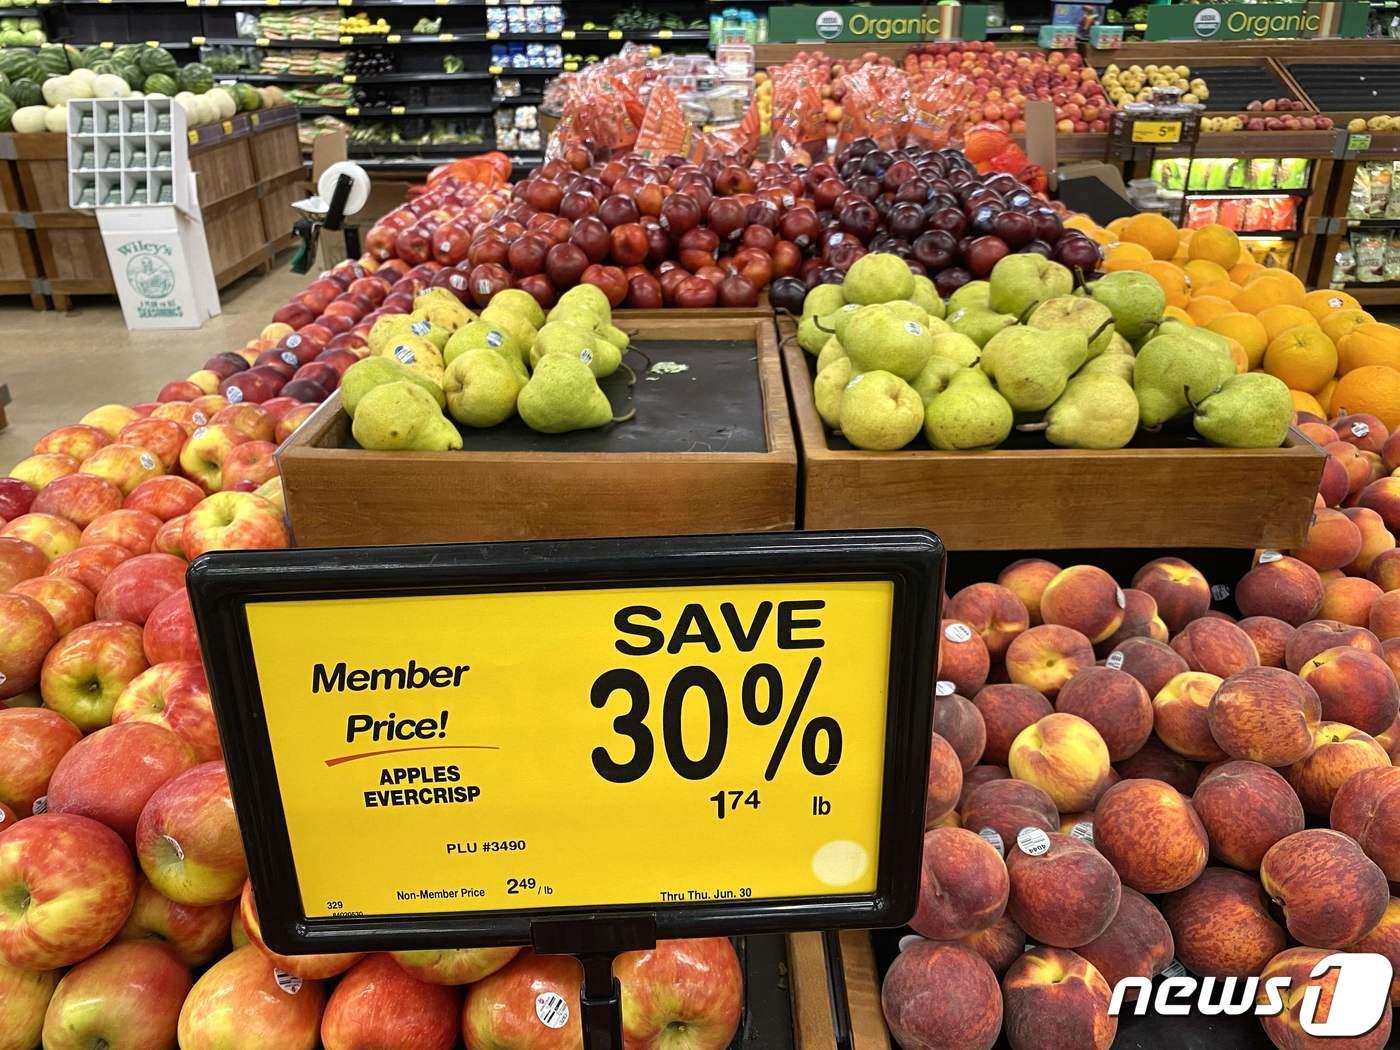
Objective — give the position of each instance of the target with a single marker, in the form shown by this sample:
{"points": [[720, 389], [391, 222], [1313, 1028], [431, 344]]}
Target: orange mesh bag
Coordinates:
{"points": [[938, 109], [876, 106], [664, 129], [799, 126]]}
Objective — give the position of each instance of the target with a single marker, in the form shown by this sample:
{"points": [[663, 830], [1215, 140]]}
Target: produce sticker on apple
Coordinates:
{"points": [[537, 749]]}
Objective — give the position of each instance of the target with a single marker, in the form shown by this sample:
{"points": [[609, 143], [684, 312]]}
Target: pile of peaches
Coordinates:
{"points": [[1123, 776]]}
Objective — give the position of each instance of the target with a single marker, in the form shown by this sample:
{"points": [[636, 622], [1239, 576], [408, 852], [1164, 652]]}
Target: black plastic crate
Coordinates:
{"points": [[1369, 86], [1234, 87]]}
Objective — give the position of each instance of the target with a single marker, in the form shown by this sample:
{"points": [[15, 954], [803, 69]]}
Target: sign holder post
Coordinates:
{"points": [[484, 745]]}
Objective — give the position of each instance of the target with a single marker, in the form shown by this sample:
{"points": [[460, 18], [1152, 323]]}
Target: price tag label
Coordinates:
{"points": [[197, 41], [254, 120], [1018, 29], [1356, 143], [664, 34], [349, 78], [347, 39], [570, 67], [228, 127], [430, 774], [446, 38], [261, 41], [193, 136], [352, 111], [567, 34], [396, 111], [614, 34], [495, 71], [274, 3], [393, 38], [191, 3], [1158, 131], [492, 34]]}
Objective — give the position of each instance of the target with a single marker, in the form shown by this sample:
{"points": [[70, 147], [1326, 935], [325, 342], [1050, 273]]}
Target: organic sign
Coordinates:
{"points": [[550, 744], [875, 25], [1256, 21]]}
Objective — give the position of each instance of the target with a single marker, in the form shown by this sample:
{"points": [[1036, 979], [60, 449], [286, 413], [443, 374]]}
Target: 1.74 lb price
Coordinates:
{"points": [[761, 703]]}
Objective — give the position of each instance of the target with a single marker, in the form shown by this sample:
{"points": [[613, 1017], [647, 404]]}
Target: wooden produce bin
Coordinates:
{"points": [[71, 256], [811, 1001], [1048, 498], [19, 262], [709, 458]]}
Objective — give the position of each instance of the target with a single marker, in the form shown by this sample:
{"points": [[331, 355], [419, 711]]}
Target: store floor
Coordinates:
{"points": [[58, 366]]}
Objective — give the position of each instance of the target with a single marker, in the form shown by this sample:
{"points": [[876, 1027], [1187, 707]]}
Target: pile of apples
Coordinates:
{"points": [[830, 73], [1263, 115], [1003, 81], [1125, 775]]}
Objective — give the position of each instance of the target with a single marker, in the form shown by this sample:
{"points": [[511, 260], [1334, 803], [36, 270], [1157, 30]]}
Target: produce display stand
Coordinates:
{"points": [[19, 261], [1378, 146], [811, 998], [1158, 492], [509, 483]]}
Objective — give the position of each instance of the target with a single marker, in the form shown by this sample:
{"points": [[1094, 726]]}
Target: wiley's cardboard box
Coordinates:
{"points": [[160, 264]]}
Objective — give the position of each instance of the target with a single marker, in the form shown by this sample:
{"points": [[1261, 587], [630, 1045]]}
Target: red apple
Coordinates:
{"points": [[187, 838], [503, 1009], [76, 440], [133, 529], [19, 560], [255, 422], [165, 497], [609, 279], [169, 633], [252, 461], [138, 585], [32, 742], [240, 1002], [195, 933], [128, 994], [204, 454], [16, 497], [690, 986], [233, 521], [629, 244], [89, 565], [174, 695], [379, 1006], [86, 671], [68, 603]]}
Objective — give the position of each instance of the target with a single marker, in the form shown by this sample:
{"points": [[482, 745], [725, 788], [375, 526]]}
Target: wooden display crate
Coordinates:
{"points": [[338, 495], [275, 203], [811, 1001], [1050, 498]]}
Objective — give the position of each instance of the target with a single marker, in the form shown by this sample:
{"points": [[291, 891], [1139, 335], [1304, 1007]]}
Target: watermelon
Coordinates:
{"points": [[126, 54], [196, 78], [89, 56], [16, 64], [26, 92], [157, 60], [131, 73], [160, 84], [247, 98], [7, 111], [4, 85], [105, 66]]}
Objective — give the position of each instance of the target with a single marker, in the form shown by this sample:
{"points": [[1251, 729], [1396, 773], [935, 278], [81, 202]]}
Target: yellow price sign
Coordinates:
{"points": [[393, 38], [347, 40], [397, 111], [193, 136], [570, 67], [430, 770], [352, 111], [228, 127], [495, 71], [197, 41], [446, 38], [614, 34], [664, 34], [261, 41], [349, 78], [1158, 131], [492, 34], [567, 34]]}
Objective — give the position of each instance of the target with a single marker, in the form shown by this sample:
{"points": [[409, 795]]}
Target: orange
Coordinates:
{"points": [[1125, 256], [1204, 273], [1080, 221], [1243, 269], [1274, 274], [1303, 358], [1325, 301], [1116, 225], [1237, 353], [1324, 396], [1370, 344], [1245, 329], [1154, 232], [1173, 280], [1179, 314], [1262, 293], [1226, 290], [1340, 322], [1279, 319], [1305, 402], [1217, 244], [1101, 236], [1206, 308], [1373, 389]]}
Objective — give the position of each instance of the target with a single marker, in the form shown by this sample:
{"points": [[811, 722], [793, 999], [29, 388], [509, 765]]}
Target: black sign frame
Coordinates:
{"points": [[222, 584]]}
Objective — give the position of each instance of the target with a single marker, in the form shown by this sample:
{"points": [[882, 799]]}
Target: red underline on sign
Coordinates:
{"points": [[405, 750]]}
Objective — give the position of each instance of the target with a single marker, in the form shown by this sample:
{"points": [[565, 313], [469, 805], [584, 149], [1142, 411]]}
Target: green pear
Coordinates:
{"points": [[442, 310], [878, 278], [1202, 337], [979, 323], [836, 322], [827, 389], [832, 351], [527, 306], [563, 395], [811, 336], [418, 354], [926, 295], [974, 293], [880, 411], [1173, 372], [403, 416], [1031, 366], [1134, 298], [363, 376], [934, 377], [1252, 410], [1111, 363], [908, 310], [957, 348], [968, 414], [479, 334], [481, 387], [1095, 411], [1117, 344], [560, 337], [589, 296], [1074, 311], [511, 320], [822, 300], [1021, 281], [877, 339], [386, 329], [426, 328]]}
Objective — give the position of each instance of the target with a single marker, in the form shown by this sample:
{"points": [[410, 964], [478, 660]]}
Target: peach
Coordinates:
{"points": [[1265, 715], [1245, 808], [1151, 662], [1331, 893], [1137, 943], [1361, 429], [1384, 618], [963, 885], [1358, 471], [1376, 539], [1336, 480], [1158, 762], [1285, 1029], [942, 995], [1027, 580], [1320, 635], [1216, 647], [962, 657], [1285, 588], [1007, 806], [976, 777], [1390, 653], [1086, 599], [1221, 925], [1367, 807], [1065, 756], [1006, 710], [1348, 600], [1385, 940], [1383, 497], [1150, 834], [1064, 896], [1048, 656], [993, 612], [1270, 637], [1333, 541], [1390, 739], [1354, 687], [1114, 703], [1181, 592], [1385, 570], [1000, 944], [1050, 982], [1181, 715], [1340, 753], [1377, 471], [1140, 620], [958, 721], [944, 780]]}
